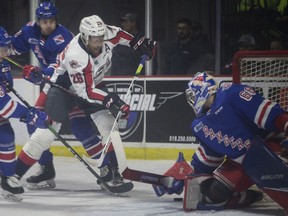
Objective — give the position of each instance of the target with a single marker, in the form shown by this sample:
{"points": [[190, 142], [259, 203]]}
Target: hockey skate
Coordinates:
{"points": [[12, 188], [44, 179], [112, 177]]}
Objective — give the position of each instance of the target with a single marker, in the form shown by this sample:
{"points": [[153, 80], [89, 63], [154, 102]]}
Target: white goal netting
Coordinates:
{"points": [[266, 71]]}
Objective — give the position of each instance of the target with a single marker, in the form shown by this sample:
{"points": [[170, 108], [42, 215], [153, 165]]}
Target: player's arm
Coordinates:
{"points": [[81, 76], [20, 42], [142, 45]]}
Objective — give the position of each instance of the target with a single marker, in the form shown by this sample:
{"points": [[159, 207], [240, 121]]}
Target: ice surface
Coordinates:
{"points": [[77, 194]]}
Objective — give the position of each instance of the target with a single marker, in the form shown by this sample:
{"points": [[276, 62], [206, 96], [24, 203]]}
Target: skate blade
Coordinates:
{"points": [[11, 197], [44, 185]]}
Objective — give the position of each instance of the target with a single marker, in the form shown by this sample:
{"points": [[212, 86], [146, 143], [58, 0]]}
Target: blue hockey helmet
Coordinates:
{"points": [[5, 39], [199, 89], [46, 10]]}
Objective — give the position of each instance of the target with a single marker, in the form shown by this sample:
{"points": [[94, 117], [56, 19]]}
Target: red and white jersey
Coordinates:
{"points": [[87, 71]]}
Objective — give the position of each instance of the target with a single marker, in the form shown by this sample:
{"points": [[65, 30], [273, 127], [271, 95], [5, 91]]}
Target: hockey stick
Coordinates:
{"points": [[113, 189], [128, 94], [134, 175]]}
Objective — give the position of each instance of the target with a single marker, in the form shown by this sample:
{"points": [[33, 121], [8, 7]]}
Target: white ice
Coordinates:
{"points": [[77, 194]]}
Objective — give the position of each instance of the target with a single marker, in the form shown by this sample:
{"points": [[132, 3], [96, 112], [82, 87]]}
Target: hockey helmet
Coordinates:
{"points": [[5, 39], [91, 26], [46, 10], [199, 89]]}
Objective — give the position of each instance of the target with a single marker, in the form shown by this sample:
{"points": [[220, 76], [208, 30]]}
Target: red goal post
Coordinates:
{"points": [[266, 71]]}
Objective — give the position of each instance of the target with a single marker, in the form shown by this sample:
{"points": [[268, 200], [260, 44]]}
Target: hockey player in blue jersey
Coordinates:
{"points": [[46, 38], [9, 108], [232, 122]]}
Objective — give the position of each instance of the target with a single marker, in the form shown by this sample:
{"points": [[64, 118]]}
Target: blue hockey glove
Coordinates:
{"points": [[115, 105], [177, 187], [32, 74], [37, 118]]}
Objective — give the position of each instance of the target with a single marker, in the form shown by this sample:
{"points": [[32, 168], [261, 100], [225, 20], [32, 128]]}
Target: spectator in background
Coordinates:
{"points": [[125, 59], [245, 43], [191, 44], [276, 44]]}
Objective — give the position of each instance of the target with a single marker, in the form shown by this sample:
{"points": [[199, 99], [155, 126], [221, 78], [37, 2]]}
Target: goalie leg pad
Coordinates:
{"points": [[267, 171], [192, 191], [233, 175]]}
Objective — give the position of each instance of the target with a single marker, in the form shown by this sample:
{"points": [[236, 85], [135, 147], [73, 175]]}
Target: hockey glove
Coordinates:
{"points": [[37, 118], [32, 74], [6, 79], [144, 46], [115, 105]]}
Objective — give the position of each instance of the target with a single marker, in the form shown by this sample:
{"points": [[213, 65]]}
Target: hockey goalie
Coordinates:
{"points": [[243, 142]]}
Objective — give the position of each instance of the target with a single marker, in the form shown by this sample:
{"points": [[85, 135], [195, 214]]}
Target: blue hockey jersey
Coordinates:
{"points": [[45, 49], [9, 108], [237, 114]]}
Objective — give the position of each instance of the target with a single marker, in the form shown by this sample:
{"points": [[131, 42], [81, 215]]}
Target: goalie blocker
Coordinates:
{"points": [[266, 170]]}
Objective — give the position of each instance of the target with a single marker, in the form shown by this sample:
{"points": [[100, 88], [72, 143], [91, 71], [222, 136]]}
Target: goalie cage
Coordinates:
{"points": [[265, 71]]}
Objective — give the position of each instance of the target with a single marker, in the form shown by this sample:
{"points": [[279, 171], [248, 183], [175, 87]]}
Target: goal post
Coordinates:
{"points": [[266, 71]]}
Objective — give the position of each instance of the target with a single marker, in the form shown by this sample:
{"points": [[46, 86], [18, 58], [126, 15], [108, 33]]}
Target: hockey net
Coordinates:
{"points": [[265, 71]]}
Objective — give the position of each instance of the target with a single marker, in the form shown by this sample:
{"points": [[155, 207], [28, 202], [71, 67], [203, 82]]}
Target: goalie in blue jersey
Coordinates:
{"points": [[243, 142], [9, 108], [236, 128]]}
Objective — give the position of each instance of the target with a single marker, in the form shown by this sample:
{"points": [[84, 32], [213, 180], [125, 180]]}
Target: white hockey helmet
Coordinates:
{"points": [[91, 26]]}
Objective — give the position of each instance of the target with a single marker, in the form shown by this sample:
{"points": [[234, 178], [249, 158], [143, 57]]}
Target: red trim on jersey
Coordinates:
{"points": [[88, 76], [26, 159], [263, 111], [121, 34], [8, 157], [205, 158], [94, 150], [9, 108]]}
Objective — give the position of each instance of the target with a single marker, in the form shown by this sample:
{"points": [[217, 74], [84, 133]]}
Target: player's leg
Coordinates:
{"points": [[9, 181], [226, 188], [268, 171], [104, 121], [84, 129], [40, 141], [46, 174]]}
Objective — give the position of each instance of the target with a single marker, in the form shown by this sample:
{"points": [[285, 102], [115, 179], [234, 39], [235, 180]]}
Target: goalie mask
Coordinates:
{"points": [[199, 89], [92, 26]]}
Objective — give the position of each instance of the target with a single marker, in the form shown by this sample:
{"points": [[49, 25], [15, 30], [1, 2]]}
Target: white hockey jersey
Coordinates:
{"points": [[87, 71]]}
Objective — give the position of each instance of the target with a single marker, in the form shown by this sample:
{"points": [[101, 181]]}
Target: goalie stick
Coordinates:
{"points": [[114, 189]]}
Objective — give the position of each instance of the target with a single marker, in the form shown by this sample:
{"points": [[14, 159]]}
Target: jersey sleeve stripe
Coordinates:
{"points": [[88, 76], [263, 113], [8, 109], [208, 160]]}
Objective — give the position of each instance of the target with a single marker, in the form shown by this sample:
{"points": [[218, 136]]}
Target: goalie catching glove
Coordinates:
{"points": [[32, 74], [116, 105], [144, 46]]}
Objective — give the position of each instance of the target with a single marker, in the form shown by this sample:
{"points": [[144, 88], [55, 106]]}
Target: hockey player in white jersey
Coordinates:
{"points": [[82, 66], [87, 58]]}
